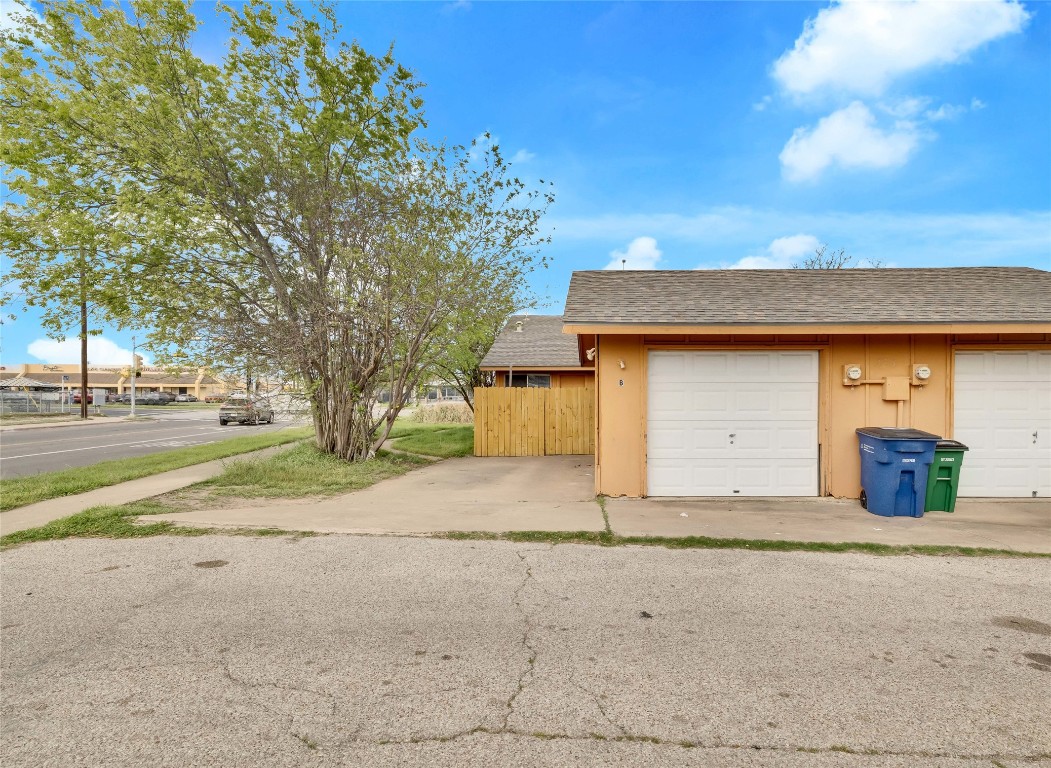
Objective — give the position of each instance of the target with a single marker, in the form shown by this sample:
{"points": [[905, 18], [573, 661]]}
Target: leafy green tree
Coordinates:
{"points": [[458, 363], [277, 207]]}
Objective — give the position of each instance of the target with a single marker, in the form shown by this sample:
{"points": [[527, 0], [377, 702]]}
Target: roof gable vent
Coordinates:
{"points": [[518, 326]]}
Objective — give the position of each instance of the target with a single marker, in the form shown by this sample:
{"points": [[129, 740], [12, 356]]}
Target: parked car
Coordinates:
{"points": [[156, 398], [185, 399], [76, 397], [215, 398], [112, 397], [246, 410]]}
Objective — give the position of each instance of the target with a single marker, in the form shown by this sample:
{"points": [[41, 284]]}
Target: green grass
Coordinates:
{"points": [[302, 470], [103, 522], [305, 471], [441, 440], [20, 491], [115, 522], [605, 539]]}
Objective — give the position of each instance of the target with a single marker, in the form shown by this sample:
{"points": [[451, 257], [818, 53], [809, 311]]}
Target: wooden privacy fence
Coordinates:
{"points": [[530, 421]]}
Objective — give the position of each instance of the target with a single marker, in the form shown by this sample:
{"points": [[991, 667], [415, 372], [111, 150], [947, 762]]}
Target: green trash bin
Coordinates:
{"points": [[943, 480]]}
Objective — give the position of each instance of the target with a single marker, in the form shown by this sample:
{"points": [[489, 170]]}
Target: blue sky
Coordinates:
{"points": [[742, 134]]}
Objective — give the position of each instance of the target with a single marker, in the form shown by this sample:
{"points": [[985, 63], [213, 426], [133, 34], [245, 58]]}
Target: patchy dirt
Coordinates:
{"points": [[193, 499]]}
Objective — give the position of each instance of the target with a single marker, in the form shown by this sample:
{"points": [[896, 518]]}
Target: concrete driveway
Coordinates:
{"points": [[550, 493]]}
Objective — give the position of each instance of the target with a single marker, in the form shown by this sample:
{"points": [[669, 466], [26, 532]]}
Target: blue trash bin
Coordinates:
{"points": [[894, 467]]}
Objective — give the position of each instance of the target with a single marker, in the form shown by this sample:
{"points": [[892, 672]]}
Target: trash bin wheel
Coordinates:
{"points": [[864, 500]]}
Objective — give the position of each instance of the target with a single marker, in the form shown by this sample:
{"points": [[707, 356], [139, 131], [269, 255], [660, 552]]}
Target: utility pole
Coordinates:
{"points": [[134, 373], [83, 339]]}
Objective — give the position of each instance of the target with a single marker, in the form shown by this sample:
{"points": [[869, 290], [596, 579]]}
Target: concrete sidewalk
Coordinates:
{"points": [[555, 493], [44, 512], [1023, 525]]}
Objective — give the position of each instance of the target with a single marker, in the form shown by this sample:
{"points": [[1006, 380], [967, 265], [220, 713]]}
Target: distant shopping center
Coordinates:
{"points": [[117, 380]]}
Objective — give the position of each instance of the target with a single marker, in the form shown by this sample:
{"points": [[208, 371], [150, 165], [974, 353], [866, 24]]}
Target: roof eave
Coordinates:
{"points": [[805, 328]]}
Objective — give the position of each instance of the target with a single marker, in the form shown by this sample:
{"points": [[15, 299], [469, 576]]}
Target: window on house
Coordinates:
{"points": [[542, 380]]}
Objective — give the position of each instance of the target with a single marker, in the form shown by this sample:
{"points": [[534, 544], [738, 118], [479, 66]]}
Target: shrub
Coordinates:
{"points": [[443, 413]]}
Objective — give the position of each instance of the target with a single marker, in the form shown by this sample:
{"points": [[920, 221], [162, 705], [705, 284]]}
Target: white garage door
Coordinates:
{"points": [[1003, 413], [732, 424]]}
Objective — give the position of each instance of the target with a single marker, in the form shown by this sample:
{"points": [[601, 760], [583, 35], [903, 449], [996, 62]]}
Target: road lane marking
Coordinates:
{"points": [[127, 428], [100, 447]]}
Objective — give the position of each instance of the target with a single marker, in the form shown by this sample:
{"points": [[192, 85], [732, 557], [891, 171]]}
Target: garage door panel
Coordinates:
{"points": [[688, 477], [1000, 400], [797, 401], [760, 478], [713, 367], [754, 367], [996, 366], [669, 365], [752, 402], [668, 441], [687, 439], [767, 400], [799, 367], [1006, 479]]}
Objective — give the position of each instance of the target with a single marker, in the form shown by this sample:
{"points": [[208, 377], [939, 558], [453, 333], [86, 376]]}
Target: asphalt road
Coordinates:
{"points": [[375, 651], [31, 451]]}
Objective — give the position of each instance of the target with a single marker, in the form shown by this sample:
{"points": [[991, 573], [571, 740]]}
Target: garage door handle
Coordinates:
{"points": [[732, 434], [1034, 437]]}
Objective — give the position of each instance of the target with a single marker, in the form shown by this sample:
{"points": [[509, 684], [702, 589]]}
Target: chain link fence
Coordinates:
{"points": [[35, 402]]}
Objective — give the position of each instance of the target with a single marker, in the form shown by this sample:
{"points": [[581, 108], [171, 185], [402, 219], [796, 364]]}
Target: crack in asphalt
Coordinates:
{"points": [[293, 688], [598, 705], [688, 744], [530, 666]]}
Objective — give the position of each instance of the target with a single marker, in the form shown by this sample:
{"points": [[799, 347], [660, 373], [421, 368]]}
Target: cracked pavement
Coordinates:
{"points": [[343, 650]]}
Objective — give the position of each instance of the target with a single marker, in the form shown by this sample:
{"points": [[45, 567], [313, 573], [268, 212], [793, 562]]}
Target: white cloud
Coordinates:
{"points": [[779, 254], [861, 46], [482, 143], [458, 5], [977, 104], [522, 156], [101, 351], [905, 108], [717, 234], [642, 253], [788, 249], [944, 112], [8, 11], [763, 103], [850, 139]]}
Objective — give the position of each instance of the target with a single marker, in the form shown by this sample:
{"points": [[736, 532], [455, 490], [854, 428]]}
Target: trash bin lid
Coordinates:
{"points": [[896, 433], [954, 445]]}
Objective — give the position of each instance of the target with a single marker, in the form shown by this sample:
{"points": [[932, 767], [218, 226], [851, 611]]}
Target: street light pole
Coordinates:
{"points": [[133, 375], [83, 339]]}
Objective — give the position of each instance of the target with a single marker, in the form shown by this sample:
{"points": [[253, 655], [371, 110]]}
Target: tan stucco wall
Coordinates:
{"points": [[620, 454], [620, 457], [848, 408]]}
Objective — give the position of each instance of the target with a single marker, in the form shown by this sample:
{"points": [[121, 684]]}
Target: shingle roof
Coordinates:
{"points": [[810, 296], [23, 382], [95, 378], [112, 378], [540, 343]]}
